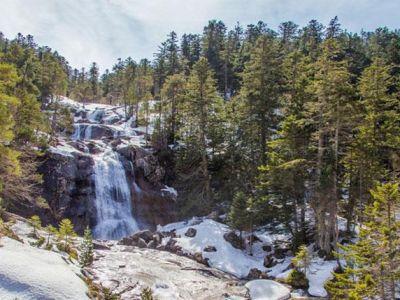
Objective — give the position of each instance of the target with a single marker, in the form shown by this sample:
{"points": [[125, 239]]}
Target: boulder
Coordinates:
{"points": [[172, 247], [267, 248], [152, 244], [269, 261], [100, 246], [146, 235], [232, 238], [128, 241], [263, 289], [197, 256], [210, 249], [157, 237], [254, 274], [280, 253], [191, 232], [141, 243]]}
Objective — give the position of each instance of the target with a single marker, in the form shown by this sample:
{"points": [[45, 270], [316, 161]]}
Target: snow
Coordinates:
{"points": [[320, 272], [30, 273], [210, 233], [170, 190], [63, 149], [263, 289], [127, 270]]}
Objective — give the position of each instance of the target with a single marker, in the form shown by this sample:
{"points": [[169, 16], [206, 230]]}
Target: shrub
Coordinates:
{"points": [[146, 294], [86, 248], [36, 224], [297, 279]]}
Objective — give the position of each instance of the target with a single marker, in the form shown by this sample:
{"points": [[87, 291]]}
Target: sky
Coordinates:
{"points": [[84, 31]]}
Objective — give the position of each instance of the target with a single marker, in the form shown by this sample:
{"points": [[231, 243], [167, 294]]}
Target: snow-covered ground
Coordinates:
{"points": [[239, 262], [27, 272], [128, 270], [210, 233]]}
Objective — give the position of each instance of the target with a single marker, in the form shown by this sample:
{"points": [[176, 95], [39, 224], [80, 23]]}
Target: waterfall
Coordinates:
{"points": [[82, 132], [113, 198]]}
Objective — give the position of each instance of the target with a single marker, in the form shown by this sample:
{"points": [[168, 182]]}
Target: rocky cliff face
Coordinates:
{"points": [[104, 141]]}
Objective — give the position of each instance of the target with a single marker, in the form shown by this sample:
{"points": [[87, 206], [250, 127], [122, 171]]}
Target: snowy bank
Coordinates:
{"points": [[30, 273], [211, 233]]}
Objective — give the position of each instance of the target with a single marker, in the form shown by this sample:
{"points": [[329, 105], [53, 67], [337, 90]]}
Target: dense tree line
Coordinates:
{"points": [[283, 122]]}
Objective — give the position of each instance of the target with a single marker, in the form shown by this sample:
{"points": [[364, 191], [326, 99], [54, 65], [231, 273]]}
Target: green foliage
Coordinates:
{"points": [[372, 266], [39, 243], [51, 232], [36, 224], [146, 294], [297, 279], [86, 249], [302, 260], [239, 215], [66, 233]]}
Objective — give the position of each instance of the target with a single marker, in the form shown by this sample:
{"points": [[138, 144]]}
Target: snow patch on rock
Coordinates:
{"points": [[263, 289]]}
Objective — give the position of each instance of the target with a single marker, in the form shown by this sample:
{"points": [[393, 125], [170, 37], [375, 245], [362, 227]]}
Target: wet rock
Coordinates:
{"points": [[128, 241], [253, 238], [267, 248], [67, 187], [172, 247], [210, 249], [146, 235], [200, 259], [157, 237], [232, 238], [191, 232], [254, 274], [152, 244], [280, 253], [269, 261], [141, 243], [100, 246]]}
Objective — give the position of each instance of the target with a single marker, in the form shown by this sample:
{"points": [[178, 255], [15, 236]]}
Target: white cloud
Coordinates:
{"points": [[103, 30]]}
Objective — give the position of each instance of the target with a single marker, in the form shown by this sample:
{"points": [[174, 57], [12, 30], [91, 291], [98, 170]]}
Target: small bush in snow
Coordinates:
{"points": [[86, 249], [147, 294], [36, 224]]}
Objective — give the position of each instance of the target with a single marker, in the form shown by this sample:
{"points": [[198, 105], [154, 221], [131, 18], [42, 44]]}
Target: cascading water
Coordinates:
{"points": [[113, 198], [114, 218]]}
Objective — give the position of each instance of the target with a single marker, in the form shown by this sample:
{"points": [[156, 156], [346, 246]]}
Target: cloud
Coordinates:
{"points": [[103, 30]]}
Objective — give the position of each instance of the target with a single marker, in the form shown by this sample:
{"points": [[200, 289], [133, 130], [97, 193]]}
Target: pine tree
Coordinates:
{"points": [[94, 81], [284, 178], [146, 294], [86, 249], [302, 261], [172, 97], [238, 214], [260, 93], [329, 114], [66, 232], [369, 156], [36, 224], [372, 264], [8, 105], [51, 231], [202, 119]]}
